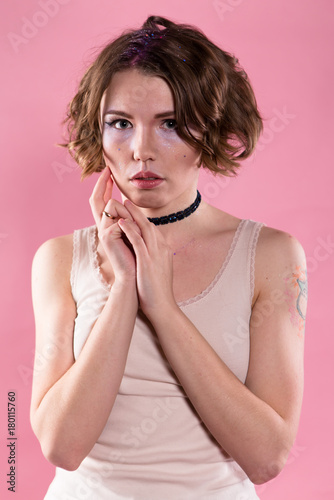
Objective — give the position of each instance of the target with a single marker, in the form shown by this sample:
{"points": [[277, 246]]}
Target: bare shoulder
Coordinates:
{"points": [[57, 251], [278, 254], [276, 247], [53, 261]]}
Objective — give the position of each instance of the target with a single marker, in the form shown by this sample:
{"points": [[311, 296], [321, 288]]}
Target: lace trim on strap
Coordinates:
{"points": [[221, 270], [255, 237], [93, 240], [75, 260]]}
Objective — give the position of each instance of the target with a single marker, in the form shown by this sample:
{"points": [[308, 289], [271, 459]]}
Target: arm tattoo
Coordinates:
{"points": [[296, 296], [302, 297]]}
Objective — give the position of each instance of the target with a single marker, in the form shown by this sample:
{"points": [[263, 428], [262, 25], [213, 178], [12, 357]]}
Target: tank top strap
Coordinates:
{"points": [[88, 289], [83, 260], [244, 252]]}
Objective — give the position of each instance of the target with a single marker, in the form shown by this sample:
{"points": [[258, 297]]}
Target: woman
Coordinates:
{"points": [[174, 330]]}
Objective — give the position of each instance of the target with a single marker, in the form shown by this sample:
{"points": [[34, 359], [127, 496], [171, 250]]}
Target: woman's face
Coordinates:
{"points": [[150, 163]]}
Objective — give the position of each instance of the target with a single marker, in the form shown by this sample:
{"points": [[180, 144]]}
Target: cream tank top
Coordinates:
{"points": [[154, 446]]}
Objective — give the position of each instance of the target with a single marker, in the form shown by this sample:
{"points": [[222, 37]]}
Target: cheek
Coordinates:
{"points": [[115, 163], [180, 151], [114, 143], [114, 155], [188, 157], [180, 157]]}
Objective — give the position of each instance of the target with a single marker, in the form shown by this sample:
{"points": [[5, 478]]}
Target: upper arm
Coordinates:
{"points": [[277, 324], [55, 312]]}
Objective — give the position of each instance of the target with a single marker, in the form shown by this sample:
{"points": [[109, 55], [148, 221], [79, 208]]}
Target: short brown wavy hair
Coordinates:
{"points": [[211, 92]]}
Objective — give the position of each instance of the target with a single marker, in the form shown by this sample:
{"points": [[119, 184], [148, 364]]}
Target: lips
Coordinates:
{"points": [[146, 176], [146, 180]]}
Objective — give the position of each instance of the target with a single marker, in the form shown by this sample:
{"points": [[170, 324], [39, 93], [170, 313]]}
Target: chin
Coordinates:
{"points": [[147, 199], [144, 198]]}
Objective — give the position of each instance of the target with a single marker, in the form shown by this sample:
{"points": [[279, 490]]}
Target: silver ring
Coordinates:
{"points": [[108, 215]]}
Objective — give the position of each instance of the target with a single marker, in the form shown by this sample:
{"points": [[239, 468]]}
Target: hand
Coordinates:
{"points": [[118, 251], [154, 260]]}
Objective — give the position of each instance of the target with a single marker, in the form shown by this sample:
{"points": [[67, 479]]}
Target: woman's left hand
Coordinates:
{"points": [[154, 262]]}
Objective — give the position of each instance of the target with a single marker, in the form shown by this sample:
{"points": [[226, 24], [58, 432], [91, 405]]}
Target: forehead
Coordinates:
{"points": [[135, 90]]}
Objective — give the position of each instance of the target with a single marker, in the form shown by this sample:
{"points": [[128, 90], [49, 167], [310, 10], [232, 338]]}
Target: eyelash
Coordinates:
{"points": [[112, 123]]}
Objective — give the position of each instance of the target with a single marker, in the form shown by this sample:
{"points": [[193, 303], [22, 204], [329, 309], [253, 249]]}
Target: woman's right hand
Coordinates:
{"points": [[119, 253]]}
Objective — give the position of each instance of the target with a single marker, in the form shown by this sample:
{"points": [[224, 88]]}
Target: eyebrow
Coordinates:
{"points": [[126, 115]]}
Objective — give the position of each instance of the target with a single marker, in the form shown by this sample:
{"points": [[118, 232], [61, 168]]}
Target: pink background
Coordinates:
{"points": [[285, 47]]}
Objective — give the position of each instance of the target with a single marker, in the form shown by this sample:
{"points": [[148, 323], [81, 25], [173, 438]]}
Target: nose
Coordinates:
{"points": [[143, 145]]}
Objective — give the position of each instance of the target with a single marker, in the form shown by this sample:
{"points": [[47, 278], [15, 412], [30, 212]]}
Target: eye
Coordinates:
{"points": [[119, 124], [170, 124]]}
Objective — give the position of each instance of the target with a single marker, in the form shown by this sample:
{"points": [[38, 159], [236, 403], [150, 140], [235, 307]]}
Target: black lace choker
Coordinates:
{"points": [[167, 219]]}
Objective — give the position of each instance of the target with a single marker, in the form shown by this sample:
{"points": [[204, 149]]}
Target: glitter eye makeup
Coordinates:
{"points": [[118, 124]]}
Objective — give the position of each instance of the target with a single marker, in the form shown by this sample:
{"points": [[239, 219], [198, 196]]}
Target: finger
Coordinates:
{"points": [[146, 227], [132, 227], [101, 184], [115, 211], [97, 199], [133, 234], [108, 191]]}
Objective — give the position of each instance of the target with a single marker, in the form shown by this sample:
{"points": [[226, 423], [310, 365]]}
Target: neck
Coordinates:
{"points": [[179, 233], [174, 217]]}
